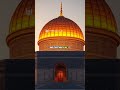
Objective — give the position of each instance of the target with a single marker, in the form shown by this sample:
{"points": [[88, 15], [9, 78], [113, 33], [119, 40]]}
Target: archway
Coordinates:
{"points": [[60, 73]]}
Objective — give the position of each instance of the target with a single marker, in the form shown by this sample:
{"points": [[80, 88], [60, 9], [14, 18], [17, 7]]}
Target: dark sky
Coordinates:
{"points": [[7, 8]]}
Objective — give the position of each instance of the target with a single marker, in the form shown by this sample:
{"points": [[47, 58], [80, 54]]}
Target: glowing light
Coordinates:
{"points": [[61, 26], [61, 32], [60, 77]]}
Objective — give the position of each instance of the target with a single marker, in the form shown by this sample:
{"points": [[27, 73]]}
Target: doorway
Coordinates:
{"points": [[60, 73]]}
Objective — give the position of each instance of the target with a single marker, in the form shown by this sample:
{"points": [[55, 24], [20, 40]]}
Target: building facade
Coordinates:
{"points": [[101, 42], [100, 26], [60, 60], [60, 70]]}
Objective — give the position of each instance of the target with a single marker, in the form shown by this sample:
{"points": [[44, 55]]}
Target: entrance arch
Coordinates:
{"points": [[60, 74]]}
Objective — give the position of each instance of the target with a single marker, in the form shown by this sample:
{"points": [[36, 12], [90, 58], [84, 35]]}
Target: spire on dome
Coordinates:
{"points": [[61, 12]]}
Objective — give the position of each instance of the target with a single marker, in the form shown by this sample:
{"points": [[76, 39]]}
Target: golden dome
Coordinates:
{"points": [[99, 15], [23, 17], [61, 34], [61, 26]]}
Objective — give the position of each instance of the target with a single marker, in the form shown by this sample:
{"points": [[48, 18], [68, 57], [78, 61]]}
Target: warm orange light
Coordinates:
{"points": [[60, 77], [61, 26]]}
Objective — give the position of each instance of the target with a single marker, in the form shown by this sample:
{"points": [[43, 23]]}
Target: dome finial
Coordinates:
{"points": [[61, 12]]}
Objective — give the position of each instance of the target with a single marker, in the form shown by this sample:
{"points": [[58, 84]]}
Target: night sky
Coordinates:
{"points": [[7, 7]]}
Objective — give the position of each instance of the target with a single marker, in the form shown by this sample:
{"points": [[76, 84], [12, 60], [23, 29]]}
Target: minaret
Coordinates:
{"points": [[61, 12]]}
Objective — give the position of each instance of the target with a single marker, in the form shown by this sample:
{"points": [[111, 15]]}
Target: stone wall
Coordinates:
{"points": [[72, 44], [21, 44], [101, 44]]}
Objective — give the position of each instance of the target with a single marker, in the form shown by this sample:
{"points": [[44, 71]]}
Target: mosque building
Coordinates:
{"points": [[61, 42], [66, 41], [61, 34], [100, 26]]}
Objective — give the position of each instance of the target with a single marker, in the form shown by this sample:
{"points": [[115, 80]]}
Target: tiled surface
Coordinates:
{"points": [[24, 16], [99, 15], [61, 26]]}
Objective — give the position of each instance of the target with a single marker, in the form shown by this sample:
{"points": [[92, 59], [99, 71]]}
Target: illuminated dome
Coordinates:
{"points": [[61, 34], [20, 39], [61, 26], [99, 15], [23, 17], [102, 39]]}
